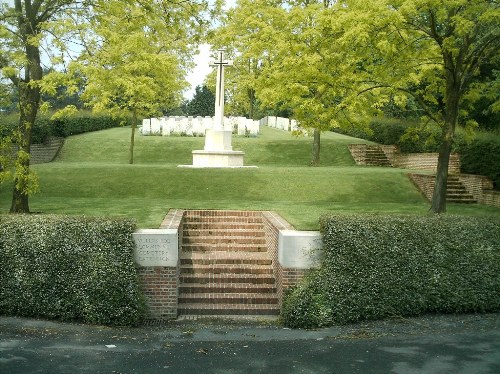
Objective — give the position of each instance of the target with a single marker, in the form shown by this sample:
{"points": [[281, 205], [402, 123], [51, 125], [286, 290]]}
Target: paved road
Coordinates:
{"points": [[433, 344]]}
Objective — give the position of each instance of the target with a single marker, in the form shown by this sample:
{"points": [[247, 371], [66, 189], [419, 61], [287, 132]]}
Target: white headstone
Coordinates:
{"points": [[155, 126]]}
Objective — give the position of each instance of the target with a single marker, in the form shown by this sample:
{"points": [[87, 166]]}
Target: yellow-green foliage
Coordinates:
{"points": [[69, 268], [383, 266]]}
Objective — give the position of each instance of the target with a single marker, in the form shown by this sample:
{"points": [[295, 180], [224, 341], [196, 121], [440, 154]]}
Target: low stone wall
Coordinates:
{"points": [[425, 161], [43, 153], [424, 182], [273, 223], [290, 251], [157, 252], [417, 161], [481, 188], [477, 185]]}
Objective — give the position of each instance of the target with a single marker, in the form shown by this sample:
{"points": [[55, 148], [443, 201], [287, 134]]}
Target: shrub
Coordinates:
{"points": [[482, 156], [45, 127], [381, 266], [80, 124], [69, 268]]}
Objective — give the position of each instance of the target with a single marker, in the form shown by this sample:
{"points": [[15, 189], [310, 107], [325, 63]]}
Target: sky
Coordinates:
{"points": [[202, 60]]}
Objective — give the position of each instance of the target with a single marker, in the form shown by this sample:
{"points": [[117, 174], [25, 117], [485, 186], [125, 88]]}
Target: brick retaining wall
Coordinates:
{"points": [[285, 277], [481, 188], [477, 185], [160, 284], [418, 161], [43, 153]]}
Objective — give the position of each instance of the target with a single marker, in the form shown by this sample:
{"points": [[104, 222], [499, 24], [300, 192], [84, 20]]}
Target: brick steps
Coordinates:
{"points": [[223, 240], [376, 157], [225, 268], [455, 190], [215, 279], [221, 225], [223, 298], [224, 247], [225, 289], [236, 233], [219, 309], [225, 258]]}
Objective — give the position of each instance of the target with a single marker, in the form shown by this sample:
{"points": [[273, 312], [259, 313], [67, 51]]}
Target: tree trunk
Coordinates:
{"points": [[251, 98], [132, 137], [29, 103], [316, 148], [452, 101], [438, 204]]}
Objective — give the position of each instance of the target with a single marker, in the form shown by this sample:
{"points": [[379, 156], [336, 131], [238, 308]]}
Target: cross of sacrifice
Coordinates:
{"points": [[220, 63]]}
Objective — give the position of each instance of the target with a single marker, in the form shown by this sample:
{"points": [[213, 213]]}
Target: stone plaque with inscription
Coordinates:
{"points": [[156, 247], [299, 249]]}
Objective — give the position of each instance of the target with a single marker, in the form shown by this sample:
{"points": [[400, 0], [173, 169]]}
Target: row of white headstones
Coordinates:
{"points": [[197, 126]]}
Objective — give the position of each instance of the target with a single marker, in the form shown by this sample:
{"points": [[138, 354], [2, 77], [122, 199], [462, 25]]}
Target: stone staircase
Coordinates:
{"points": [[225, 268], [456, 192], [376, 157]]}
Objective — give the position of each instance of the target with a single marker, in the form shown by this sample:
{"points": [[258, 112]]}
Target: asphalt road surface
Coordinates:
{"points": [[431, 344]]}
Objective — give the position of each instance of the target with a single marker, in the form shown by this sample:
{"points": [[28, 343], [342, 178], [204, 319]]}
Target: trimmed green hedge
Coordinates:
{"points": [[482, 156], [70, 269], [64, 127], [376, 267]]}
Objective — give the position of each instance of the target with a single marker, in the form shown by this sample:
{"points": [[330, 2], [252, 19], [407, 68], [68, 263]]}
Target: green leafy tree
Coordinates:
{"points": [[291, 63], [202, 103], [427, 50], [26, 29], [139, 57]]}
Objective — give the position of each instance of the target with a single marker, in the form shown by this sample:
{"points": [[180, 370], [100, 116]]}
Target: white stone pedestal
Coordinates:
{"points": [[217, 159], [217, 140], [218, 152]]}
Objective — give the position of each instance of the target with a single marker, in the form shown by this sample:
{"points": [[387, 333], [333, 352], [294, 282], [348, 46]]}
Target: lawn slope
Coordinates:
{"points": [[92, 176]]}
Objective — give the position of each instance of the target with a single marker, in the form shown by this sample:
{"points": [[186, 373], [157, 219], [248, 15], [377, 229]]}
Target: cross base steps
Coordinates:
{"points": [[217, 159]]}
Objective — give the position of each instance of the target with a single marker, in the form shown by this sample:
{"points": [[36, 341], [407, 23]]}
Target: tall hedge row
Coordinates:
{"points": [[45, 127], [69, 268], [382, 266], [482, 157]]}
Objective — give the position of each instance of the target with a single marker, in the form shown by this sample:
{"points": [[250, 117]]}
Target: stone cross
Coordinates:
{"points": [[220, 63]]}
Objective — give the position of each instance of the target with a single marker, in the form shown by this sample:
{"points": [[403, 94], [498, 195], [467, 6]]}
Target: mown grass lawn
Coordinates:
{"points": [[92, 176]]}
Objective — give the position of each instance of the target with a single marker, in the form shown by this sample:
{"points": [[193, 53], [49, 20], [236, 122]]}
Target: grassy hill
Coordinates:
{"points": [[92, 176]]}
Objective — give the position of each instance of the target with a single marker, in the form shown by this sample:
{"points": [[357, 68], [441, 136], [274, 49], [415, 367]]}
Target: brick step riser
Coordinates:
{"points": [[222, 226], [223, 232], [226, 213], [260, 289], [222, 220], [227, 300], [229, 312], [224, 248], [222, 240], [211, 281], [222, 262], [216, 271]]}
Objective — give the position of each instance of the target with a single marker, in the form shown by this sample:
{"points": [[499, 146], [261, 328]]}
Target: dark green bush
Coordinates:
{"points": [[376, 267], [81, 124], [45, 127], [482, 157], [69, 268]]}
